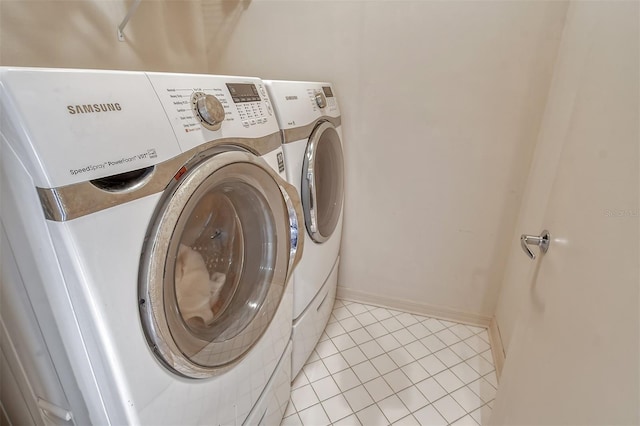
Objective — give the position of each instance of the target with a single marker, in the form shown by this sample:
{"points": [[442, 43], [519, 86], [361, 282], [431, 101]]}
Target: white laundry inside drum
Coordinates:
{"points": [[209, 260], [197, 292]]}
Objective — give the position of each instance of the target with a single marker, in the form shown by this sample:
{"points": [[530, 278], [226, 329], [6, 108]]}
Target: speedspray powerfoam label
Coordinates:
{"points": [[149, 154]]}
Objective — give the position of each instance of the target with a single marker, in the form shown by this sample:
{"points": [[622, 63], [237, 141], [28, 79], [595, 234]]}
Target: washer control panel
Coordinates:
{"points": [[203, 108]]}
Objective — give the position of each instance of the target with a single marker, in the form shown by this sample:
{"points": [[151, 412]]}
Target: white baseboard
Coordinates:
{"points": [[497, 348], [413, 307]]}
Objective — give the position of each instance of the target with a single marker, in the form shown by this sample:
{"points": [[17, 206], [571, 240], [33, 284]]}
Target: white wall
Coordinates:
{"points": [[574, 352], [519, 270], [570, 70], [441, 105], [161, 36]]}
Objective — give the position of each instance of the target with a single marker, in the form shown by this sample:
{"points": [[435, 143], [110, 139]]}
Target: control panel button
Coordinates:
{"points": [[245, 123], [252, 122]]}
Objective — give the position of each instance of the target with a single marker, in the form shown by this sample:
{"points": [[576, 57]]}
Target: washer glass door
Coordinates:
{"points": [[322, 182], [215, 264]]}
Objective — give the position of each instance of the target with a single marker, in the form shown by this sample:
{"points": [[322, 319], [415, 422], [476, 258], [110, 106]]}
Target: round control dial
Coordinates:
{"points": [[207, 109], [321, 101]]}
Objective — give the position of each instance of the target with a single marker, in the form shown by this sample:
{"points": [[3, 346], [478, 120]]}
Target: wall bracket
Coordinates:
{"points": [[125, 21]]}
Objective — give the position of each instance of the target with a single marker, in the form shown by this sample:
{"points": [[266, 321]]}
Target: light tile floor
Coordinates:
{"points": [[376, 366]]}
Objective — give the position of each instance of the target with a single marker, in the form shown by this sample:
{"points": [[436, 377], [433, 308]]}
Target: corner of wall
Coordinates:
{"points": [[444, 313], [497, 349]]}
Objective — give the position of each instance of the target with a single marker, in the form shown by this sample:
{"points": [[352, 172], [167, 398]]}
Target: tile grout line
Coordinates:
{"points": [[313, 405], [434, 353], [400, 390], [476, 331]]}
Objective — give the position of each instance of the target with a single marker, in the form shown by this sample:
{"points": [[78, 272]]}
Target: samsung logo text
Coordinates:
{"points": [[92, 108]]}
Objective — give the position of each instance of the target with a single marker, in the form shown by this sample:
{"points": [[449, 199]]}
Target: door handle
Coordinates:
{"points": [[541, 241]]}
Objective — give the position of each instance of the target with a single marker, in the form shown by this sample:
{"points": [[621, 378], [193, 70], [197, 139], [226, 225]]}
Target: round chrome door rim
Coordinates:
{"points": [[152, 305], [309, 186]]}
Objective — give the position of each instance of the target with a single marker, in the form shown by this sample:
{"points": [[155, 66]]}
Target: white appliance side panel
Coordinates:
{"points": [[295, 104], [242, 120], [21, 340], [78, 125], [26, 230], [15, 406], [309, 326]]}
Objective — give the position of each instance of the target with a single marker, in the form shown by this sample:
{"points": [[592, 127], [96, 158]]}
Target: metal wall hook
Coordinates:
{"points": [[125, 21], [542, 241]]}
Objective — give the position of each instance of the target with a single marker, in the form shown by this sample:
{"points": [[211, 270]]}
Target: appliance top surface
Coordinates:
{"points": [[70, 126], [299, 103]]}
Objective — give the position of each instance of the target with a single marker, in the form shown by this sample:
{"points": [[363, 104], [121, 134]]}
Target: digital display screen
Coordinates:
{"points": [[243, 92], [327, 91]]}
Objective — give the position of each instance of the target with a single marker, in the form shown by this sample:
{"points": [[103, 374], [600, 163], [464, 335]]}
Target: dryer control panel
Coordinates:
{"points": [[203, 108], [299, 103]]}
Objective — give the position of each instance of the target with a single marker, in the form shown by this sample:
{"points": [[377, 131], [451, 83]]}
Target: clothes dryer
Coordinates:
{"points": [[148, 238], [310, 121]]}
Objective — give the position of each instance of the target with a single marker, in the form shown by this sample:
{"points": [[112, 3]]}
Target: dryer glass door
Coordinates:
{"points": [[215, 264], [322, 182]]}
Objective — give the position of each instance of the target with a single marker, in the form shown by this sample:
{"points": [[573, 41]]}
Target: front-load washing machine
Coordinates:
{"points": [[148, 237], [310, 121]]}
